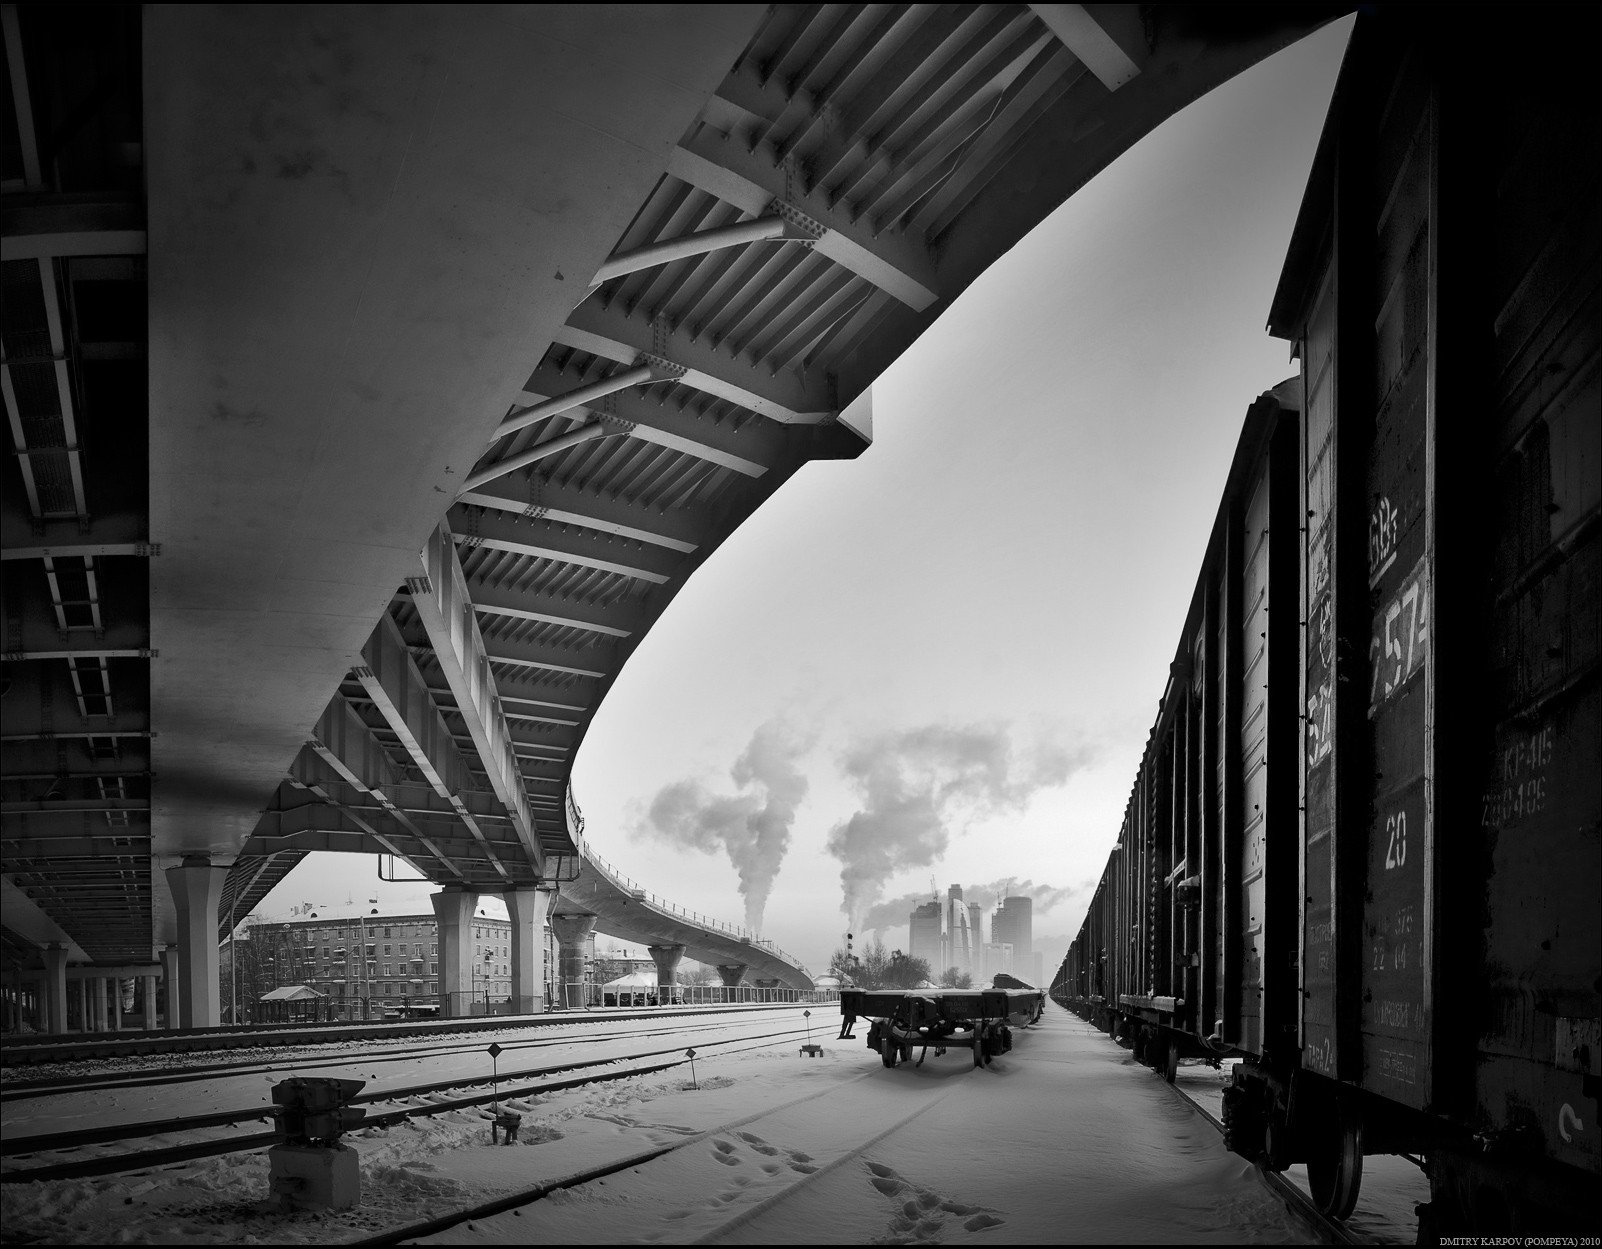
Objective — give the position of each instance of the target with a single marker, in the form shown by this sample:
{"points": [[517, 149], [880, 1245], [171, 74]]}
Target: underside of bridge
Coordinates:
{"points": [[375, 379]]}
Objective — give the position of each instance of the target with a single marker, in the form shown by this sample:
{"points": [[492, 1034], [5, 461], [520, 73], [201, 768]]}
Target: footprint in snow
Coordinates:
{"points": [[921, 1214]]}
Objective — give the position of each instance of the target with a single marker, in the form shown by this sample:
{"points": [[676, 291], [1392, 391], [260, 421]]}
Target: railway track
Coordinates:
{"points": [[1296, 1201], [386, 1109], [29, 1089], [201, 1040]]}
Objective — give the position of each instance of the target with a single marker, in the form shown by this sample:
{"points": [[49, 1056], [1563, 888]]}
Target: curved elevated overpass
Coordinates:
{"points": [[558, 295]]}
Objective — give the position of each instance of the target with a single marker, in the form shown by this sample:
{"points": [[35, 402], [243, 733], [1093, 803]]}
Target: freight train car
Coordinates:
{"points": [[1362, 851]]}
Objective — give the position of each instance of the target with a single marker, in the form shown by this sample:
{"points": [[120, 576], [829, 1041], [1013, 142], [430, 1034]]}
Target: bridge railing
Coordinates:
{"points": [[594, 995], [575, 828]]}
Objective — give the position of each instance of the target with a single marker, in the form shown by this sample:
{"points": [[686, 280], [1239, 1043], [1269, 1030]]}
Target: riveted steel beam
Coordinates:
{"points": [[1089, 36], [443, 603], [619, 619], [541, 498], [543, 539], [784, 396], [752, 449], [897, 263]]}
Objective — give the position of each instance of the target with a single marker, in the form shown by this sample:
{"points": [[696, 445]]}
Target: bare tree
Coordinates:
{"points": [[902, 971], [954, 978]]}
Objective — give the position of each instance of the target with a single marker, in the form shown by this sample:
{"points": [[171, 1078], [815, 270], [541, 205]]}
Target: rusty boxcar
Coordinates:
{"points": [[1362, 852]]}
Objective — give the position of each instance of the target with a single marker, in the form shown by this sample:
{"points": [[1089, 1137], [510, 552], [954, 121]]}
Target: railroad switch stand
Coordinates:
{"points": [[507, 1121], [311, 1168]]}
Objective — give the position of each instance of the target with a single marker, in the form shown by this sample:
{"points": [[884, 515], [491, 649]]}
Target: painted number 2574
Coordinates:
{"points": [[1396, 840]]}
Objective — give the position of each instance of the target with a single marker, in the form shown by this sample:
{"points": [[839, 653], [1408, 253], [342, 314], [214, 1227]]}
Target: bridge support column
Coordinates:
{"points": [[731, 975], [147, 991], [55, 987], [97, 996], [169, 982], [453, 908], [80, 1000], [571, 930], [666, 958], [197, 886], [527, 909]]}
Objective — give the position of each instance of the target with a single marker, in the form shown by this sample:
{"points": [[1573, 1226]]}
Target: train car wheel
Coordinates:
{"points": [[1276, 1142], [1335, 1169], [1171, 1061], [889, 1051]]}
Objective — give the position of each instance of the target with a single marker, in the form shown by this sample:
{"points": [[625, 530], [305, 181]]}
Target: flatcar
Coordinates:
{"points": [[980, 1020], [1362, 850]]}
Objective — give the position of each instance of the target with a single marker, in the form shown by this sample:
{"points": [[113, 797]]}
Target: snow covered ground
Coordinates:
{"points": [[1065, 1140]]}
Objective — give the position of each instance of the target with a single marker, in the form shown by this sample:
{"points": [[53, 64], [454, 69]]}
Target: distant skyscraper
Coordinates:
{"points": [[1014, 925], [998, 958], [962, 947], [926, 938]]}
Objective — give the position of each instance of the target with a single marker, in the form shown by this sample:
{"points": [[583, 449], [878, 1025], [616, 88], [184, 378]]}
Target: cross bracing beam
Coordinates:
{"points": [[390, 678], [346, 744], [752, 449], [82, 648], [618, 619], [666, 251], [784, 396], [542, 498], [105, 535], [541, 539], [1089, 36], [445, 607], [540, 451], [390, 827], [897, 264], [587, 661]]}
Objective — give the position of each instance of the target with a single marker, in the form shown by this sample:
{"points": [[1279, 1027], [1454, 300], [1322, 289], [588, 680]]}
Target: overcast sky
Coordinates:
{"points": [[942, 659]]}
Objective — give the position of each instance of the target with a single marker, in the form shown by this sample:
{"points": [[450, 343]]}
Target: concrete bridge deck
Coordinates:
{"points": [[376, 378]]}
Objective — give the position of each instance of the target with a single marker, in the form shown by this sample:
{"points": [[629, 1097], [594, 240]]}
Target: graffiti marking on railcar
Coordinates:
{"points": [[1400, 637], [1384, 525], [1320, 732]]}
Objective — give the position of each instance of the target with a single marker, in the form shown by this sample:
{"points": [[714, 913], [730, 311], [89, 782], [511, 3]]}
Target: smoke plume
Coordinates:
{"points": [[751, 826], [912, 785]]}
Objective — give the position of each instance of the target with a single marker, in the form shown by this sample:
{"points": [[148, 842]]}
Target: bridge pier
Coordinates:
{"points": [[570, 931], [527, 909], [666, 958], [197, 886], [731, 974], [169, 978], [453, 908], [147, 992], [55, 987]]}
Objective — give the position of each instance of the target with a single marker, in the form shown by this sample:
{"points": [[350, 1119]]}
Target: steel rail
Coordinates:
{"points": [[112, 1164], [148, 1076]]}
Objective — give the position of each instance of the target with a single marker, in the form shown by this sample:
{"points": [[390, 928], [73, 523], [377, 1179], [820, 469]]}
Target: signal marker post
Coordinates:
{"points": [[694, 1083], [504, 1120], [810, 1050]]}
